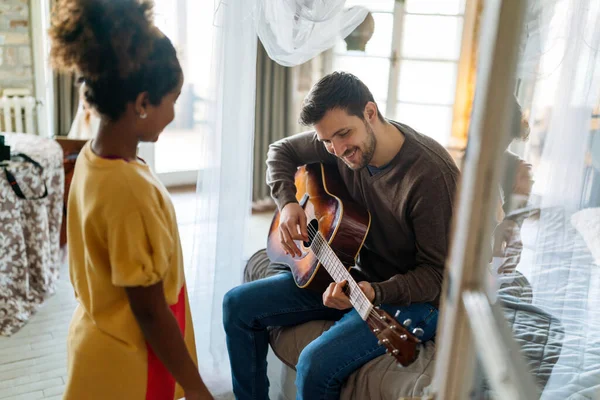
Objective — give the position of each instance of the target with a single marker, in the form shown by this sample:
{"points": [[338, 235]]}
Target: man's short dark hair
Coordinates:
{"points": [[336, 90]]}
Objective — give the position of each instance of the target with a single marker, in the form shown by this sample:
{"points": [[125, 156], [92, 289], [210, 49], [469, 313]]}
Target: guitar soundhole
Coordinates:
{"points": [[312, 228]]}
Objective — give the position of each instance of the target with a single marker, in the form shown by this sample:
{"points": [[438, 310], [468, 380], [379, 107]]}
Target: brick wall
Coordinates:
{"points": [[15, 45]]}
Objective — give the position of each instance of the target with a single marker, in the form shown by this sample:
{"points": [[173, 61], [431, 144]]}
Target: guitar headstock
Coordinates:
{"points": [[399, 342]]}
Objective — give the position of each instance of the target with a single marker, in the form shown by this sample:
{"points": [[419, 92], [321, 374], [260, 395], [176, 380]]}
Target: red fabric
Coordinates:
{"points": [[161, 385]]}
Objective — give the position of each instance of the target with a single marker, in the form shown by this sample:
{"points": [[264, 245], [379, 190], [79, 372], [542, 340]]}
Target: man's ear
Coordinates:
{"points": [[141, 104], [371, 112]]}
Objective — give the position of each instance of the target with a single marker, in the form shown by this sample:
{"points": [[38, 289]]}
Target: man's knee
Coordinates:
{"points": [[313, 370], [233, 303]]}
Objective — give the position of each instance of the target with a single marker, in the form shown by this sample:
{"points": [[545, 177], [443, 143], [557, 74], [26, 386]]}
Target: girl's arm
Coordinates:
{"points": [[161, 331]]}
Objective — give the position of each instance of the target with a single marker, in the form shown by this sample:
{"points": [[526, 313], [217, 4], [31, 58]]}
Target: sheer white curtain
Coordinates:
{"points": [[558, 257], [569, 83], [292, 31], [223, 192]]}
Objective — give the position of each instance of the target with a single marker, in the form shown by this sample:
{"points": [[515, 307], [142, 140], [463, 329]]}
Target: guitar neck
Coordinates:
{"points": [[339, 273]]}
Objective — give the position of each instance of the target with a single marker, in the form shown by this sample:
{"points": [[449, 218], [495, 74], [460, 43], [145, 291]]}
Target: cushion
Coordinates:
{"points": [[380, 378]]}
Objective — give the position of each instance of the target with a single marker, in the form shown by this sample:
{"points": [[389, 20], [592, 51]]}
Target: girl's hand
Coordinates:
{"points": [[198, 395]]}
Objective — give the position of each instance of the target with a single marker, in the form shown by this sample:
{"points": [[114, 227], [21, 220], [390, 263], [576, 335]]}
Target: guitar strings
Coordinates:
{"points": [[318, 238], [342, 273], [322, 243], [330, 255], [339, 269]]}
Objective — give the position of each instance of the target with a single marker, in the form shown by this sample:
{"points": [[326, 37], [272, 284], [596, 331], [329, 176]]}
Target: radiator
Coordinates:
{"points": [[17, 114]]}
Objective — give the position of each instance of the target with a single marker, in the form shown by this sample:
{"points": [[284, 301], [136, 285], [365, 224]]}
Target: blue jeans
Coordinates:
{"points": [[323, 365]]}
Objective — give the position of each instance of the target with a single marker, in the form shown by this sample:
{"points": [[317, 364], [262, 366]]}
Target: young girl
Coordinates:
{"points": [[131, 336]]}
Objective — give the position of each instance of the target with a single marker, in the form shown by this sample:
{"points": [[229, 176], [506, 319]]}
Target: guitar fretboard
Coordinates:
{"points": [[339, 273]]}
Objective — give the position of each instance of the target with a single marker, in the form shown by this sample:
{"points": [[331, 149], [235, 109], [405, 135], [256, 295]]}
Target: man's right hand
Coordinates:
{"points": [[292, 226]]}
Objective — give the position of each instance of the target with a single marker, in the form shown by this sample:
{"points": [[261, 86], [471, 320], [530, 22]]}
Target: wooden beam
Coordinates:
{"points": [[465, 82]]}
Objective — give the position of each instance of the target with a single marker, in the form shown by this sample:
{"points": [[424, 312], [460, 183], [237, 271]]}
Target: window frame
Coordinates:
{"points": [[397, 57]]}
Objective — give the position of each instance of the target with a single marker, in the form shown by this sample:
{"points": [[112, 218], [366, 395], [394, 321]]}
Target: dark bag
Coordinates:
{"points": [[13, 181]]}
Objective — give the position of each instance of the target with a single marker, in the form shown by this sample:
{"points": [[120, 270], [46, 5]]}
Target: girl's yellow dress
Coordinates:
{"points": [[122, 232]]}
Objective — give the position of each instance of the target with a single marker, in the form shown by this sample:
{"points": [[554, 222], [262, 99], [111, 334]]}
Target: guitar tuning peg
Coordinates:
{"points": [[395, 352], [397, 314], [379, 343], [403, 337], [418, 332], [407, 322]]}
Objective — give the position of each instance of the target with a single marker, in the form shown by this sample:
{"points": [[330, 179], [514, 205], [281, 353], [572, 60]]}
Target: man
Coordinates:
{"points": [[406, 181]]}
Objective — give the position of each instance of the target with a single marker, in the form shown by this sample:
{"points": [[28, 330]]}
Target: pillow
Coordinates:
{"points": [[587, 223]]}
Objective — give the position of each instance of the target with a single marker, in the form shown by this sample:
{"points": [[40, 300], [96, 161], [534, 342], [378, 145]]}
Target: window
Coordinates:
{"points": [[411, 61], [189, 25]]}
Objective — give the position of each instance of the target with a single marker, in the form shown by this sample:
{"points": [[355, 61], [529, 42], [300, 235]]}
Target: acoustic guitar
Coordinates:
{"points": [[337, 229]]}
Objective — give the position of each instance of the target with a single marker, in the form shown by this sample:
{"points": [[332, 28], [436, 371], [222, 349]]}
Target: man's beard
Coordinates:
{"points": [[367, 150]]}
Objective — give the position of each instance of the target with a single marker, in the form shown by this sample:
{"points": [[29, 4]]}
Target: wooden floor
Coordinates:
{"points": [[33, 361]]}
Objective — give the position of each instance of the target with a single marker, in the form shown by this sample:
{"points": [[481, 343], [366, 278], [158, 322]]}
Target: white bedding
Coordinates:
{"points": [[565, 282]]}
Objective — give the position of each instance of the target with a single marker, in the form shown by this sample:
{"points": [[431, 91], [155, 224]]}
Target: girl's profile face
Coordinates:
{"points": [[161, 115]]}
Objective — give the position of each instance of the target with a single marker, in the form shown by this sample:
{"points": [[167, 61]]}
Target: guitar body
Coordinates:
{"points": [[329, 208]]}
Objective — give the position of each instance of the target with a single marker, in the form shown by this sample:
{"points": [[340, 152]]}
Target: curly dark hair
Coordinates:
{"points": [[115, 48]]}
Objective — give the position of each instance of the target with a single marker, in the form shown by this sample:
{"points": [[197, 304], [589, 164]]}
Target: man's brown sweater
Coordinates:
{"points": [[411, 204]]}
